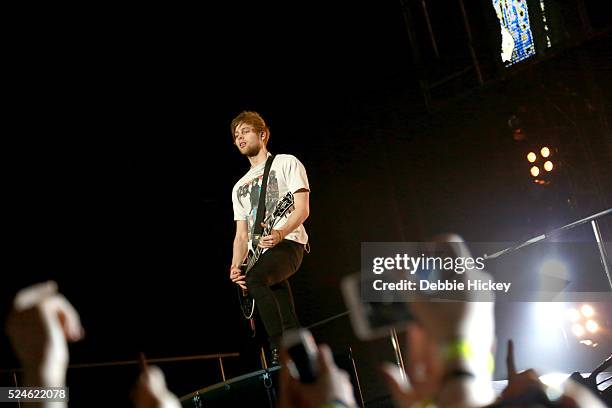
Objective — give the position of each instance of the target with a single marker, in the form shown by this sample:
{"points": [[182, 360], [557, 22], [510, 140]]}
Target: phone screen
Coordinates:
{"points": [[302, 350], [383, 314], [371, 320]]}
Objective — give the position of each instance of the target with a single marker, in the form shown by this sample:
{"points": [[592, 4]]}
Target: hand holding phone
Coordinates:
{"points": [[373, 320], [309, 375], [302, 350]]}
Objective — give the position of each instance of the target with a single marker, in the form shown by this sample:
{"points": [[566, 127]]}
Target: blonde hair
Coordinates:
{"points": [[251, 118]]}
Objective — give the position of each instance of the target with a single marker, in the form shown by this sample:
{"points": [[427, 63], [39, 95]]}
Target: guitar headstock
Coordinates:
{"points": [[281, 209], [284, 205]]}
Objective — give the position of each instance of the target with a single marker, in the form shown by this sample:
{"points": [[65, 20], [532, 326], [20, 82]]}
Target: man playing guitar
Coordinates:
{"points": [[284, 246]]}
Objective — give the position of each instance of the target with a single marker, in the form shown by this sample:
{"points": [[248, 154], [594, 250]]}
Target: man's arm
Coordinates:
{"points": [[240, 243], [239, 252], [300, 213]]}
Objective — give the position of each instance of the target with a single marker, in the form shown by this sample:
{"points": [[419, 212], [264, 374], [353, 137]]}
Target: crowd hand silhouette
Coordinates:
{"points": [[39, 326], [151, 390], [332, 384], [438, 327], [525, 388]]}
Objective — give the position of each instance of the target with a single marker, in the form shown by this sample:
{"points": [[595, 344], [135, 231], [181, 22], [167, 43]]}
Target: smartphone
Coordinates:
{"points": [[302, 350], [373, 320]]}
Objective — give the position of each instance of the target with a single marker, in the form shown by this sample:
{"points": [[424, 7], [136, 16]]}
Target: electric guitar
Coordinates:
{"points": [[247, 303]]}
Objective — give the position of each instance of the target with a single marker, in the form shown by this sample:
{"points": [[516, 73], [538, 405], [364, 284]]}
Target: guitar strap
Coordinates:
{"points": [[261, 207]]}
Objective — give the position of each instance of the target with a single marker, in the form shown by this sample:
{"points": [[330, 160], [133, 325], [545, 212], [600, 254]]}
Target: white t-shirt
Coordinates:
{"points": [[286, 174]]}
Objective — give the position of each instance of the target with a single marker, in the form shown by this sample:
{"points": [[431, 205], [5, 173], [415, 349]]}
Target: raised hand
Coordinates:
{"points": [[424, 370], [332, 384], [151, 390], [40, 324]]}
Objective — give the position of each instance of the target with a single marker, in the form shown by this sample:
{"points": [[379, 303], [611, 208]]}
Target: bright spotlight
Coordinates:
{"points": [[578, 330], [554, 385], [591, 326], [587, 311], [535, 171], [545, 152], [554, 379], [548, 166], [531, 156], [549, 315], [573, 315]]}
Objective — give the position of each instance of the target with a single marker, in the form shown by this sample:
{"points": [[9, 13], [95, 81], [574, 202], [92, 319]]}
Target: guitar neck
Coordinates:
{"points": [[257, 251]]}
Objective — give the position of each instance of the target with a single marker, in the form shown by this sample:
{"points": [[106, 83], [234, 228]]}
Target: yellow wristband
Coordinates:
{"points": [[462, 350], [458, 349], [426, 403]]}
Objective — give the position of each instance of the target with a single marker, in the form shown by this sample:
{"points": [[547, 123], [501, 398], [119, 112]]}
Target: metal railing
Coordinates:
{"points": [[557, 231], [219, 357]]}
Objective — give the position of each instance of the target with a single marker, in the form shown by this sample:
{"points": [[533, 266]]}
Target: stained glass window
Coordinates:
{"points": [[517, 38]]}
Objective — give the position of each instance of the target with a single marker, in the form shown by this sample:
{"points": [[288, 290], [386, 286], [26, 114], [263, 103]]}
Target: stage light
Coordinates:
{"points": [[573, 315], [548, 166], [591, 326], [589, 343], [554, 379], [531, 156], [578, 330], [587, 311], [541, 166], [554, 384], [545, 322], [548, 314]]}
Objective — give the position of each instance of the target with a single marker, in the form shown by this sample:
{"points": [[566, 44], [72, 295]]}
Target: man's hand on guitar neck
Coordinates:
{"points": [[270, 241], [237, 277]]}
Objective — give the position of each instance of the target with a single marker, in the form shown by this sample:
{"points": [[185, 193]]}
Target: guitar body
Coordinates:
{"points": [[247, 303]]}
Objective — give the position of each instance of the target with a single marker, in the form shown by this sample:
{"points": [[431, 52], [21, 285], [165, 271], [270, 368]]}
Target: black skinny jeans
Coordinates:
{"points": [[267, 283]]}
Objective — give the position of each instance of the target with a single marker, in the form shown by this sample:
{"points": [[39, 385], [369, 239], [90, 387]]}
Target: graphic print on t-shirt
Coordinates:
{"points": [[248, 196]]}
